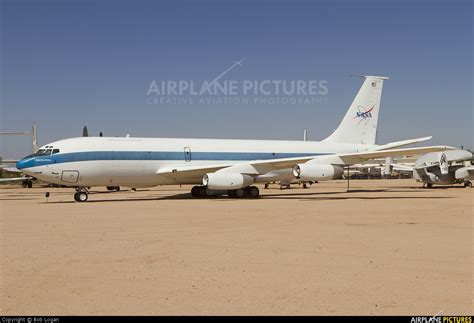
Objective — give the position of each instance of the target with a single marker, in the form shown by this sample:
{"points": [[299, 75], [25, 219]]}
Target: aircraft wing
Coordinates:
{"points": [[9, 169], [191, 171], [353, 158], [259, 167], [397, 144], [254, 167], [397, 167], [13, 179]]}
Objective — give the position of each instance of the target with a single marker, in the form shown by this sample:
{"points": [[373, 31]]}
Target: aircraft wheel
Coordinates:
{"points": [[29, 184], [429, 185], [253, 192], [467, 184], [202, 191], [240, 193], [80, 196], [195, 191], [231, 193]]}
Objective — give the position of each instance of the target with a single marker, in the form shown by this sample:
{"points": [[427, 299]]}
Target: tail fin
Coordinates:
{"points": [[359, 125], [34, 139]]}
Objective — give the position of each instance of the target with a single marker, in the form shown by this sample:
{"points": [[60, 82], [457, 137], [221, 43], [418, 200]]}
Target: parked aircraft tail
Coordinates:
{"points": [[359, 125], [34, 139]]}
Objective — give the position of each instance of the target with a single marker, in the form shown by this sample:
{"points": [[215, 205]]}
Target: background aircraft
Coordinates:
{"points": [[7, 166], [442, 168]]}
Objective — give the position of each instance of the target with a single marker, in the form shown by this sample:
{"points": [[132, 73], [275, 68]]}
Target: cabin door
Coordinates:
{"points": [[187, 154]]}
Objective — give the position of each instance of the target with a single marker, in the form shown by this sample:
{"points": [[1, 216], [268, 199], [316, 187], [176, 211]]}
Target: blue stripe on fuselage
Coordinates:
{"points": [[150, 155]]}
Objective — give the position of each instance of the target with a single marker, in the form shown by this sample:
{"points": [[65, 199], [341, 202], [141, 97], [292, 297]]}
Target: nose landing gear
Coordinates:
{"points": [[81, 194]]}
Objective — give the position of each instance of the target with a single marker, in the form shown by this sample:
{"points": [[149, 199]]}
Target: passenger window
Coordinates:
{"points": [[55, 151]]}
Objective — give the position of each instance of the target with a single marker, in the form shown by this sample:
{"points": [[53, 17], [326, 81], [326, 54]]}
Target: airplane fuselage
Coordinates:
{"points": [[134, 162]]}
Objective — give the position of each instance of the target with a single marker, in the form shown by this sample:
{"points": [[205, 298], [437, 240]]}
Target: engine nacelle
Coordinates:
{"points": [[463, 173], [317, 172], [226, 181]]}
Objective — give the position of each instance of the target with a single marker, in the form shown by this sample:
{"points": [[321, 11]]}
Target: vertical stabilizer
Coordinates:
{"points": [[34, 139], [359, 125]]}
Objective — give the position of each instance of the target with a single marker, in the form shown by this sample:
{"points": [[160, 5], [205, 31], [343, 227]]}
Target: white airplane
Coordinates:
{"points": [[218, 165]]}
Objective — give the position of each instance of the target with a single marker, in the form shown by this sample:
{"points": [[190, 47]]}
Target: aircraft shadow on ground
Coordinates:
{"points": [[308, 196]]}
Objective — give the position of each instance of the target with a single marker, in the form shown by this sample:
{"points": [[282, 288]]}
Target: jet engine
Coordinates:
{"points": [[225, 181], [317, 172]]}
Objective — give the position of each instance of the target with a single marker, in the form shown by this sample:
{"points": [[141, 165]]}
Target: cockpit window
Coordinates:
{"points": [[44, 152], [41, 152]]}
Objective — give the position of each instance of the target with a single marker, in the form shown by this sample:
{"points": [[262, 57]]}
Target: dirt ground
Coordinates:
{"points": [[387, 247]]}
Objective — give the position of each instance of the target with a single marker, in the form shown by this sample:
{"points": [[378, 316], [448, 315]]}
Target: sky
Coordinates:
{"points": [[66, 64]]}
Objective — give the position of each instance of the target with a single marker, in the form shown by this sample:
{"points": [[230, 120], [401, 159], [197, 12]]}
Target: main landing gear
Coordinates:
{"points": [[249, 192], [81, 194]]}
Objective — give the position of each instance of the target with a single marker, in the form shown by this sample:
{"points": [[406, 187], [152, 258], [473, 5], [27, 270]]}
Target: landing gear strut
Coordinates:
{"points": [[81, 194], [27, 183]]}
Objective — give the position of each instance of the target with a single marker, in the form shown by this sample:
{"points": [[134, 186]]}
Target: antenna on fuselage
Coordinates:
{"points": [[85, 132], [305, 135]]}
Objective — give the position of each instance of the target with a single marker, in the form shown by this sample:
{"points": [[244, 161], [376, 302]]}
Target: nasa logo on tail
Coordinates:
{"points": [[364, 114]]}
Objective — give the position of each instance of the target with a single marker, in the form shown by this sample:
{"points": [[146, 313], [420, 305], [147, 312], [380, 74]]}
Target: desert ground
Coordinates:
{"points": [[387, 247]]}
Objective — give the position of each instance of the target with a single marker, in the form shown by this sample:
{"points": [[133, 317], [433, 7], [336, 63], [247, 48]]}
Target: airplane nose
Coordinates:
{"points": [[20, 164], [25, 163]]}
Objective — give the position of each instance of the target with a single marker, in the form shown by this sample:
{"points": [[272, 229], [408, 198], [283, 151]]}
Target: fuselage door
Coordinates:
{"points": [[187, 154], [70, 176]]}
